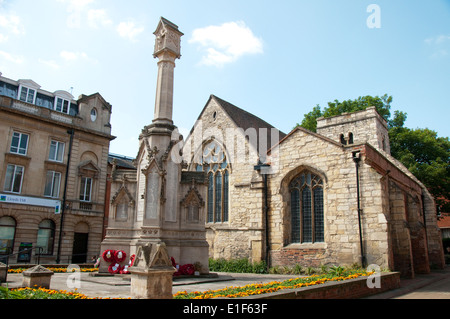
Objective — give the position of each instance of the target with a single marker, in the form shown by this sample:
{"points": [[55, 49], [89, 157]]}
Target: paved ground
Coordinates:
{"points": [[431, 286], [119, 286], [435, 285]]}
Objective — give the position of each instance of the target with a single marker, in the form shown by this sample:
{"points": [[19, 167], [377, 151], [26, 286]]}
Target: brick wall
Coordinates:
{"points": [[348, 289]]}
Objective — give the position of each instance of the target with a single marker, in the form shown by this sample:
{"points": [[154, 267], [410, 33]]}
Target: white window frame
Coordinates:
{"points": [[58, 146], [62, 105], [20, 136], [10, 188], [53, 176], [83, 190], [27, 94]]}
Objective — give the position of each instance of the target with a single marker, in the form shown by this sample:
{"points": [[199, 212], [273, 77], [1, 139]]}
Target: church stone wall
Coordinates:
{"points": [[366, 127], [241, 236], [304, 150]]}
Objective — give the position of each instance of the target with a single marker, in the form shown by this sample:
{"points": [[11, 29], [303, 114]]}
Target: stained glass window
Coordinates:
{"points": [[213, 161], [307, 218]]}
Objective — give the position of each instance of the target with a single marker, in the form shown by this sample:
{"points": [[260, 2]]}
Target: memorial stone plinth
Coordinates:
{"points": [[152, 272], [38, 276]]}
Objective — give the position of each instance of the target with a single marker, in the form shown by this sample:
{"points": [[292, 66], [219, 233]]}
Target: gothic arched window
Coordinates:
{"points": [[215, 164], [307, 218]]}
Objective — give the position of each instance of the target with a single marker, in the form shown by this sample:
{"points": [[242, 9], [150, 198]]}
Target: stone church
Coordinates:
{"points": [[236, 187]]}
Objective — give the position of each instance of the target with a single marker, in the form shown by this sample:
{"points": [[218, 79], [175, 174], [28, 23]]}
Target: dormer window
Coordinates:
{"points": [[62, 105], [27, 95]]}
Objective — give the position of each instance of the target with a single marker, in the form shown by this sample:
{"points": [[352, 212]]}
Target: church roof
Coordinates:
{"points": [[121, 161], [246, 120]]}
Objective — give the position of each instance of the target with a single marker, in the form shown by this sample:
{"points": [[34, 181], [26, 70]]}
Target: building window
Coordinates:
{"points": [[93, 115], [27, 95], [62, 105], [7, 231], [215, 164], [52, 184], [46, 237], [350, 138], [307, 220], [85, 189], [56, 151], [19, 143], [13, 180]]}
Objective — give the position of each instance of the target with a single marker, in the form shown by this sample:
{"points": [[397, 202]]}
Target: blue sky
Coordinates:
{"points": [[275, 59]]}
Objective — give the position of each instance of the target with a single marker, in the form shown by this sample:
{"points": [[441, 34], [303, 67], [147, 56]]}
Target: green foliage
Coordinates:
{"points": [[427, 156], [336, 271], [37, 293], [5, 293], [237, 266], [382, 104]]}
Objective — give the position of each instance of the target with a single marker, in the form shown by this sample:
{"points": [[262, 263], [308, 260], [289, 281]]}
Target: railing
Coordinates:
{"points": [[36, 110], [64, 259], [87, 207], [71, 259], [25, 253]]}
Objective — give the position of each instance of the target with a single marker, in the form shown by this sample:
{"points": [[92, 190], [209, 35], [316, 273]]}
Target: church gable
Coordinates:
{"points": [[238, 131], [303, 145]]}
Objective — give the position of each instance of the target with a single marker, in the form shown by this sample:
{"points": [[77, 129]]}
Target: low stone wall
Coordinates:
{"points": [[348, 289]]}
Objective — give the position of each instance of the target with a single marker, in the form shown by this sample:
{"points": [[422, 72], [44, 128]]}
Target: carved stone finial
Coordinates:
{"points": [[151, 256], [168, 38]]}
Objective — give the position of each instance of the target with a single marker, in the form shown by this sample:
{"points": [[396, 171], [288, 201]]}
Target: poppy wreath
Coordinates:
{"points": [[114, 268], [174, 264], [187, 269], [108, 255], [119, 256], [125, 268], [132, 258]]}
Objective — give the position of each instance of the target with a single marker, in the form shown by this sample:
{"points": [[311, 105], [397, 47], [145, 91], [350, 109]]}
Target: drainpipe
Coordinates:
{"points": [[357, 159], [424, 219], [263, 169], [63, 208]]}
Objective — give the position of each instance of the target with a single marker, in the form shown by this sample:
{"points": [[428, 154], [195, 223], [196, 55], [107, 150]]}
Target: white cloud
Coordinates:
{"points": [[10, 24], [439, 45], [437, 39], [226, 43], [51, 63], [77, 9], [439, 54], [76, 56], [97, 18], [129, 30], [11, 58]]}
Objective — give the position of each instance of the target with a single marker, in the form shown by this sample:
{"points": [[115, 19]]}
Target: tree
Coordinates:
{"points": [[424, 153], [382, 104], [426, 156]]}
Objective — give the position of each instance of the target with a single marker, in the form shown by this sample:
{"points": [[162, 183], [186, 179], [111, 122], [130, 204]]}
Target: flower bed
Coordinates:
{"points": [[257, 289], [54, 269], [38, 293]]}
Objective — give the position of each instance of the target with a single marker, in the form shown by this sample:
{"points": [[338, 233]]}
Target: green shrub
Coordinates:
{"points": [[237, 266]]}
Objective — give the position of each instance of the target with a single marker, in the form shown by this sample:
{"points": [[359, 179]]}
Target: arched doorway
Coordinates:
{"points": [[80, 243]]}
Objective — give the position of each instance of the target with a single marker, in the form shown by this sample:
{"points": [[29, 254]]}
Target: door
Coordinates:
{"points": [[80, 245]]}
